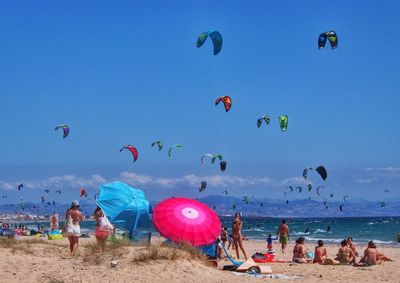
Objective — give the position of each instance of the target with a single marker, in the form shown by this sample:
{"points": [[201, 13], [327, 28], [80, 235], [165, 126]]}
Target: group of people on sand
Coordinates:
{"points": [[347, 254], [72, 228]]}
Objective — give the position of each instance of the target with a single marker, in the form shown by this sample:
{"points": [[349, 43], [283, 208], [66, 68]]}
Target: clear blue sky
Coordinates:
{"points": [[129, 73]]}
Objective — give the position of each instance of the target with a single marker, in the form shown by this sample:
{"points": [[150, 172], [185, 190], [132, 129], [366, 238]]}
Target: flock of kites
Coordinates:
{"points": [[217, 41]]}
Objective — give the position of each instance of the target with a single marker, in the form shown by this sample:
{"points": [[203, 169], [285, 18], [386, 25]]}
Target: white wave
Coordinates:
{"points": [[319, 231], [300, 233]]}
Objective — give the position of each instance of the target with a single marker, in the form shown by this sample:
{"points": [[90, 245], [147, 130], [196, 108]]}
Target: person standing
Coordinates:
{"points": [[71, 226], [103, 228], [237, 235], [283, 232]]}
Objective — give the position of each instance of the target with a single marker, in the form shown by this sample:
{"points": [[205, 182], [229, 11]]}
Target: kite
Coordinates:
{"points": [[65, 129], [345, 197], [226, 100], [261, 204], [58, 192], [132, 149], [287, 201], [320, 187], [309, 187], [42, 198], [264, 118], [290, 188], [331, 195], [233, 206], [216, 38], [222, 166], [341, 207], [20, 186], [204, 155], [225, 192], [203, 186], [328, 35], [158, 143], [300, 189], [46, 191], [386, 191], [172, 147], [322, 172], [82, 193], [382, 204], [305, 172], [283, 122]]}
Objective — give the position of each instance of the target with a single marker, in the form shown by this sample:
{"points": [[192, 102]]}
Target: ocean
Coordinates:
{"points": [[383, 230]]}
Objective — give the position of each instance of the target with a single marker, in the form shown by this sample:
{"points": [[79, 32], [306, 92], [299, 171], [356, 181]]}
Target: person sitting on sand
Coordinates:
{"points": [[345, 254], [103, 228], [351, 245], [299, 252], [283, 232], [224, 236], [372, 256], [237, 235], [320, 253], [71, 226]]}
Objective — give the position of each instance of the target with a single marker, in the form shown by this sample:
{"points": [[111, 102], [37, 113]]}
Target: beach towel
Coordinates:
{"points": [[272, 276]]}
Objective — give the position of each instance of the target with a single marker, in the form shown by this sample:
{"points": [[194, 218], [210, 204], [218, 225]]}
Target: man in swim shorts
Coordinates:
{"points": [[283, 232]]}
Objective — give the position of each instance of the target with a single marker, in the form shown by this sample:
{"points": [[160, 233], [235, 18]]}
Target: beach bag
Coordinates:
{"points": [[105, 223]]}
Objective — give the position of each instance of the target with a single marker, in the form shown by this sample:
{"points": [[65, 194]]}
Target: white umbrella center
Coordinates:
{"points": [[190, 212]]}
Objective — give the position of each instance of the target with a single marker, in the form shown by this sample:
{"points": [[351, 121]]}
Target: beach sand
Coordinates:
{"points": [[33, 261]]}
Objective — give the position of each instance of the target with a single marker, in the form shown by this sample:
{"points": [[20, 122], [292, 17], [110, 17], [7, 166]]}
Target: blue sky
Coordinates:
{"points": [[129, 73]]}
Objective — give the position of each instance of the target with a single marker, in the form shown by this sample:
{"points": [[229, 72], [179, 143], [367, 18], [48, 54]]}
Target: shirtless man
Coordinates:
{"points": [[71, 226], [283, 232]]}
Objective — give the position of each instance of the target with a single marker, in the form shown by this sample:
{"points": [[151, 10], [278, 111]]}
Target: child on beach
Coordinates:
{"points": [[320, 253], [269, 242]]}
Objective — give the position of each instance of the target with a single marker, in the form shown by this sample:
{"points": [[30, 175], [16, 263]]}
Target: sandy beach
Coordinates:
{"points": [[38, 260]]}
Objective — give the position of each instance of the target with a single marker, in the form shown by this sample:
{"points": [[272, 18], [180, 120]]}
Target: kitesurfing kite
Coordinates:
{"points": [[42, 199], [226, 100], [331, 195], [203, 186], [132, 149], [20, 186], [386, 191], [328, 35], [179, 146], [222, 166], [46, 191], [382, 204], [309, 187], [216, 38], [283, 122], [82, 192], [341, 207], [212, 156], [345, 198], [264, 118], [290, 188], [305, 172], [65, 129], [300, 189], [58, 192], [322, 172], [225, 192], [158, 143], [320, 187]]}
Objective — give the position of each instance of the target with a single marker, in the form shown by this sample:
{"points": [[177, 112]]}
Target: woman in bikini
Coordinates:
{"points": [[345, 254], [103, 228], [299, 252], [237, 236], [320, 253]]}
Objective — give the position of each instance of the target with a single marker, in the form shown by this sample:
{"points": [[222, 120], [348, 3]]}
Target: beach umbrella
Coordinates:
{"points": [[186, 220], [126, 207]]}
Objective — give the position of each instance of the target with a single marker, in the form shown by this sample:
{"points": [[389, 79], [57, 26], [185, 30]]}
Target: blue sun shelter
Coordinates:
{"points": [[126, 207]]}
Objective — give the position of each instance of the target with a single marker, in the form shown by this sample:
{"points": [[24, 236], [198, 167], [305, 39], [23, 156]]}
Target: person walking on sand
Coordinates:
{"points": [[71, 226], [237, 235], [283, 232], [103, 228]]}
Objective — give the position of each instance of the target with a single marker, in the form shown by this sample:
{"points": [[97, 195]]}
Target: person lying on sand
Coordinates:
{"points": [[372, 256], [299, 252], [345, 254], [320, 253]]}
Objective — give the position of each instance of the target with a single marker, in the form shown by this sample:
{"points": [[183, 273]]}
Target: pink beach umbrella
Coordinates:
{"points": [[186, 220]]}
